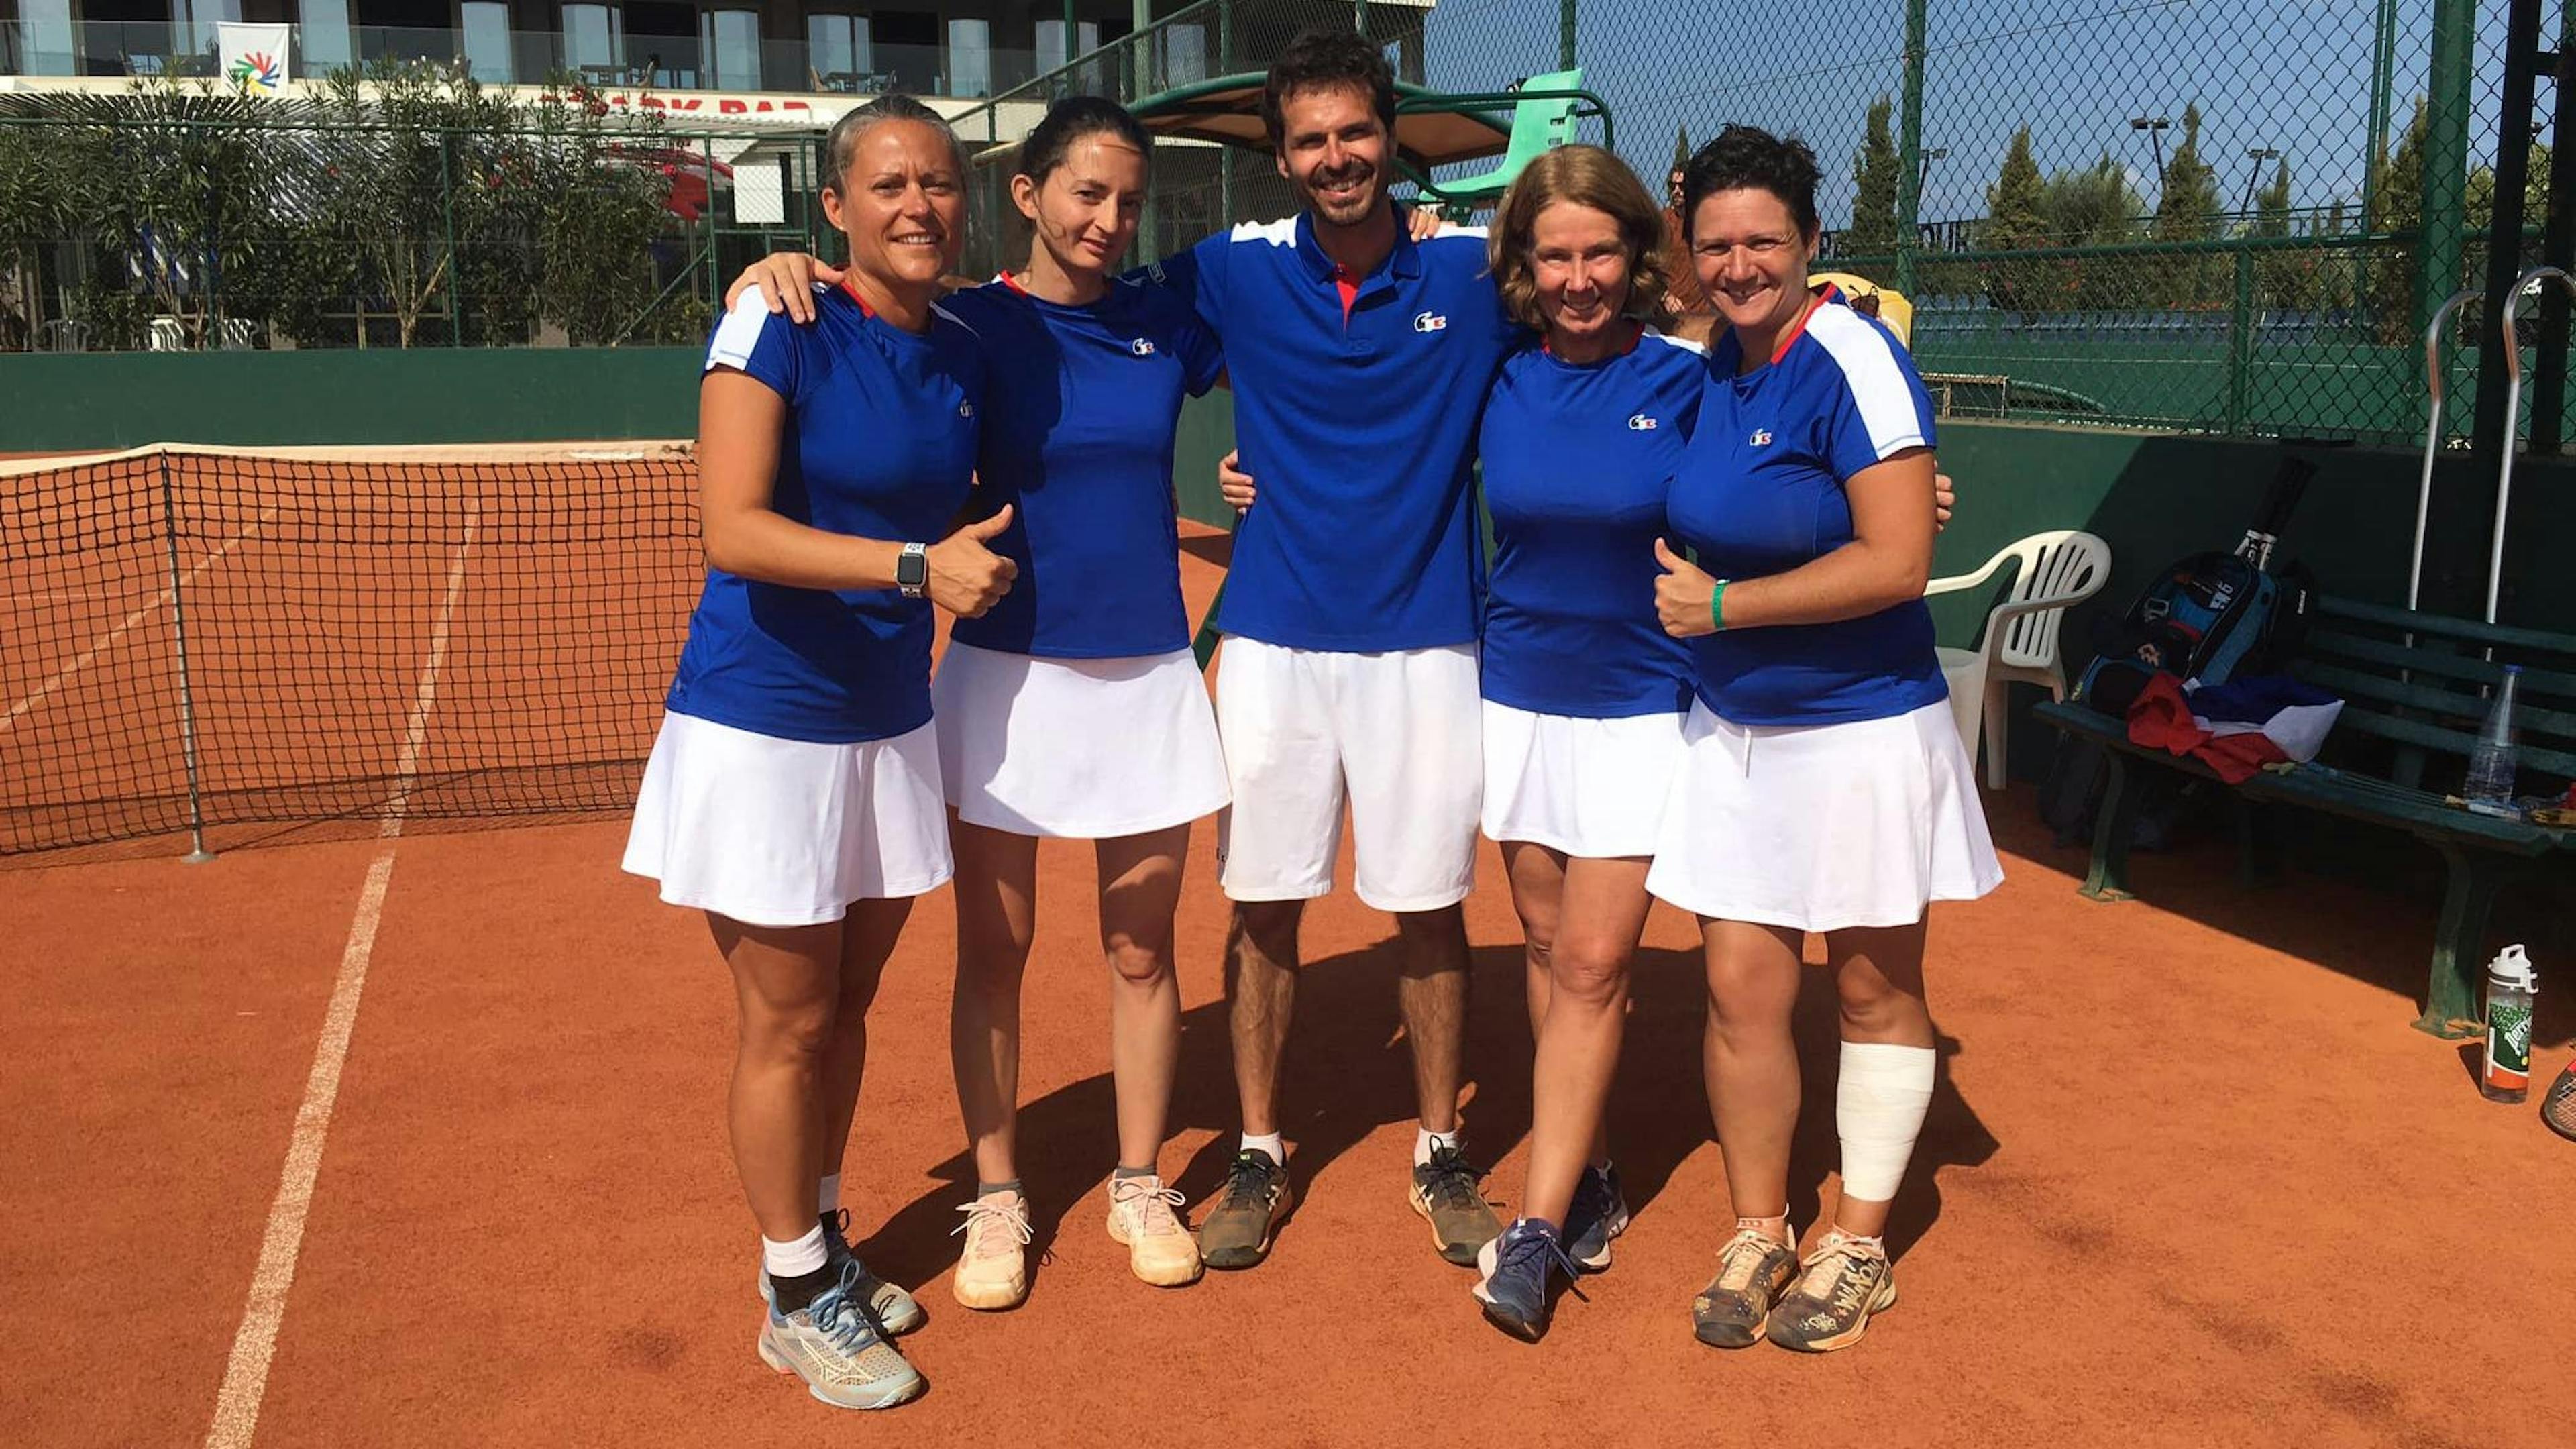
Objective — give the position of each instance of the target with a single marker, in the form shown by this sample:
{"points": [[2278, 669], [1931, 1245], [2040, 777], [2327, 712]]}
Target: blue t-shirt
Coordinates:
{"points": [[1359, 429], [879, 443], [1761, 492], [1577, 461], [1078, 434]]}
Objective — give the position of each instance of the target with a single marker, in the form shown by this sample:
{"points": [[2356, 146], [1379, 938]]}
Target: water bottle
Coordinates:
{"points": [[2489, 790], [2511, 987]]}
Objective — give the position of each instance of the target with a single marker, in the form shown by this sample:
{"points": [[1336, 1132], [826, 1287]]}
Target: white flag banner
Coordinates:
{"points": [[254, 57]]}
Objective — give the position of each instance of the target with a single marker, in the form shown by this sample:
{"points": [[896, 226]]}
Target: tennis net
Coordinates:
{"points": [[199, 638]]}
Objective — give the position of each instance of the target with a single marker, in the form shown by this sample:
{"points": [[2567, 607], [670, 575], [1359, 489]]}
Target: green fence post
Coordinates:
{"points": [[2240, 342], [447, 204], [2446, 163], [1909, 151], [1565, 17]]}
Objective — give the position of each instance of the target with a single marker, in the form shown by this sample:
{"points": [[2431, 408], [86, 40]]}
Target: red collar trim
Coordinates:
{"points": [[1007, 280], [1798, 328], [851, 286]]}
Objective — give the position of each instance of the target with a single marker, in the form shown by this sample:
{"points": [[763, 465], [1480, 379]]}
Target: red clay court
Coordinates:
{"points": [[373, 1133]]}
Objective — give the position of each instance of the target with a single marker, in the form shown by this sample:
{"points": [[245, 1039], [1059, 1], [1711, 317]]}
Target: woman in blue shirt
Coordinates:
{"points": [[1824, 788], [794, 793]]}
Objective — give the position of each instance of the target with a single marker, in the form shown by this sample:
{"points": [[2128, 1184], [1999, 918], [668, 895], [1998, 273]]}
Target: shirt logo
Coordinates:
{"points": [[965, 409], [1142, 347], [1761, 437], [1429, 322], [1641, 424]]}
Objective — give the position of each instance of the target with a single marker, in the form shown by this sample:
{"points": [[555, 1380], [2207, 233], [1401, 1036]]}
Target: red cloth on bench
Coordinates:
{"points": [[2160, 719]]}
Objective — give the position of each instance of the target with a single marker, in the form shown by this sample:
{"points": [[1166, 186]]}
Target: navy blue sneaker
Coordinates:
{"points": [[1516, 1268], [1598, 1214]]}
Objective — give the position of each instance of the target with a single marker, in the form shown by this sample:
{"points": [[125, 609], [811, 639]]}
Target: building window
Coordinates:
{"points": [[1051, 54], [47, 41], [970, 58], [487, 40], [1184, 54], [730, 42], [837, 50], [594, 41], [322, 36]]}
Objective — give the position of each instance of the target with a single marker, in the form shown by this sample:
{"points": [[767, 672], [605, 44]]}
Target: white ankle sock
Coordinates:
{"points": [[1267, 1142], [787, 1260], [827, 1194], [1879, 1104], [1424, 1139]]}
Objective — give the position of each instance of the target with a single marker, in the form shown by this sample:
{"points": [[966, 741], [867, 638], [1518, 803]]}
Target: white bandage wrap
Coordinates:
{"points": [[1878, 1107]]}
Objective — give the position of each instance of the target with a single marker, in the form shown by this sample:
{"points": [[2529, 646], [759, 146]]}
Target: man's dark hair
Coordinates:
{"points": [[1747, 156], [1322, 60]]}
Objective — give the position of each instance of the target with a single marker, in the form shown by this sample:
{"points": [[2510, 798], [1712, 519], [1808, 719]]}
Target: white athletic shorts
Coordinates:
{"points": [[1592, 788], [1824, 827], [1087, 748], [1397, 733], [774, 832]]}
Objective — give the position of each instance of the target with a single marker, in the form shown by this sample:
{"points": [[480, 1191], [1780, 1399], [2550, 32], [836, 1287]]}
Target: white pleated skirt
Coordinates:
{"points": [[1823, 827], [1088, 749], [1592, 788], [777, 832]]}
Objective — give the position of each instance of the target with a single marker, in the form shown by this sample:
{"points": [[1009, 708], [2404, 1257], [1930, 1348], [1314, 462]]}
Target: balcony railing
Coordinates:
{"points": [[526, 57]]}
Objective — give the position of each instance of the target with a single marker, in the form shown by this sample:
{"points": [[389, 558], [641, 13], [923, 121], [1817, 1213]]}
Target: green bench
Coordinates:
{"points": [[2413, 689]]}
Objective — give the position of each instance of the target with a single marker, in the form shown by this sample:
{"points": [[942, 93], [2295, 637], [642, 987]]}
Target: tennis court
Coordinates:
{"points": [[398, 1136]]}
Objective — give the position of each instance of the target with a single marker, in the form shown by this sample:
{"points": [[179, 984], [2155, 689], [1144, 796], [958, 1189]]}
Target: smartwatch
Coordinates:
{"points": [[912, 570]]}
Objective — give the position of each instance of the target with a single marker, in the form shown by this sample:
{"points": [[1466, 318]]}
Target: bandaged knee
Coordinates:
{"points": [[1878, 1108]]}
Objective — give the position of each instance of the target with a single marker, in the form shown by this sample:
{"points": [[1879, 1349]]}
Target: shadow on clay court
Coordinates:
{"points": [[1349, 1073]]}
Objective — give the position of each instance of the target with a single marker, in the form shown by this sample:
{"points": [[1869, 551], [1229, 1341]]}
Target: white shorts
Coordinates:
{"points": [[1824, 827], [1087, 748], [1592, 788], [1398, 732], [774, 832]]}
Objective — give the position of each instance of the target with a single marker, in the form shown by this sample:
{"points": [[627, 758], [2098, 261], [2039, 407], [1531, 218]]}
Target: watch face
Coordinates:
{"points": [[911, 568]]}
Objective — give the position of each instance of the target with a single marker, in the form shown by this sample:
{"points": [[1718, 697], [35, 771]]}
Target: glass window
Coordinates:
{"points": [[594, 37], [1051, 54], [970, 58], [837, 49], [1184, 54], [487, 40], [730, 41], [321, 36], [47, 37]]}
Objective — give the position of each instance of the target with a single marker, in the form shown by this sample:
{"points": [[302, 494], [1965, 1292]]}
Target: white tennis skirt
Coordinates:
{"points": [[774, 832], [1090, 749], [1824, 827], [1592, 788]]}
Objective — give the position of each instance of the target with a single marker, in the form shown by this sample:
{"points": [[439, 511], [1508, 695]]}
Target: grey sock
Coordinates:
{"points": [[987, 1189], [1124, 1171]]}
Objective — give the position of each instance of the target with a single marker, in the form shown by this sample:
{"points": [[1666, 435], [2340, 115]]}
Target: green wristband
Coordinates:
{"points": [[1717, 605]]}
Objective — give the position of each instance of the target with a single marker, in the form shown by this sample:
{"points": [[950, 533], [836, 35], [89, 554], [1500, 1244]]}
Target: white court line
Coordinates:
{"points": [[255, 1341], [151, 606]]}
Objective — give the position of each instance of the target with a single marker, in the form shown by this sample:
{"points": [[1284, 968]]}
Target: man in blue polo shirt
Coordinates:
{"points": [[1360, 360]]}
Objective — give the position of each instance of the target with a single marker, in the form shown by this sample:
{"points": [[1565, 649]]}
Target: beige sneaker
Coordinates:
{"points": [[993, 1267], [1846, 1282], [1161, 1249]]}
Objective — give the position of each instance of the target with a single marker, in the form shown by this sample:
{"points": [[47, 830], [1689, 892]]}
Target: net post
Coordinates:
{"points": [[197, 852]]}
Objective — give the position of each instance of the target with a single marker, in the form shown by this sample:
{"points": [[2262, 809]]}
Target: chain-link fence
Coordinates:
{"points": [[2192, 214], [428, 214]]}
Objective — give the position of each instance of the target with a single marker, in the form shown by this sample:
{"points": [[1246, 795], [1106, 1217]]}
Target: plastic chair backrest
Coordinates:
{"points": [[2058, 568], [1543, 123]]}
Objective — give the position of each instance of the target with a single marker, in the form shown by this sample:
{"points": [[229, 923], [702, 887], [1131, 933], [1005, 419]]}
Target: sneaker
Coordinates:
{"points": [[1160, 1249], [2558, 1107], [1753, 1270], [1515, 1268], [897, 1312], [1235, 1233], [1598, 1214], [993, 1267], [835, 1347], [1445, 1193], [1845, 1282]]}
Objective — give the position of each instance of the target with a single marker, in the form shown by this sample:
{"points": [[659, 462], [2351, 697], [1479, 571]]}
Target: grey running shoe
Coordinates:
{"points": [[1514, 1288], [897, 1313], [836, 1349], [1445, 1193], [2558, 1107], [1598, 1214], [1846, 1281], [1753, 1270], [1236, 1231]]}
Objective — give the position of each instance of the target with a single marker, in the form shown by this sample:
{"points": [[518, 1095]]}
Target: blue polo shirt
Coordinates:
{"points": [[1577, 461], [1078, 435], [1357, 421], [1761, 492], [879, 443]]}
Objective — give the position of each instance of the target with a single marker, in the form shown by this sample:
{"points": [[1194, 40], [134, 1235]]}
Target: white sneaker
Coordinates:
{"points": [[1161, 1249], [993, 1267]]}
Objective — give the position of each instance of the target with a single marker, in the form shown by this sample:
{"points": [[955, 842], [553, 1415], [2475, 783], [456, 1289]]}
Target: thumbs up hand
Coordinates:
{"points": [[1682, 595], [966, 578]]}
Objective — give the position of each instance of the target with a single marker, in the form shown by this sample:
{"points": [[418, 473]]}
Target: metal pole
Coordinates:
{"points": [[447, 204], [2512, 404], [2432, 436], [197, 852], [2450, 77], [1909, 150], [2383, 64], [2557, 249], [2240, 343], [1566, 13]]}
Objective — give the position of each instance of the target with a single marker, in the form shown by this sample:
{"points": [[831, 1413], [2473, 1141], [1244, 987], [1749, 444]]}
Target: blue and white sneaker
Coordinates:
{"points": [[1514, 1288], [1598, 1213], [897, 1312], [834, 1346]]}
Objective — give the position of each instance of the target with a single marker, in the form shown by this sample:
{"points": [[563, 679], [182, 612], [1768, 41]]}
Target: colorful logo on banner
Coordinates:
{"points": [[254, 57], [259, 74]]}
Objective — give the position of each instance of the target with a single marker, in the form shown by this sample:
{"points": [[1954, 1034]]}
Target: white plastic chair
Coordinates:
{"points": [[2057, 569]]}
